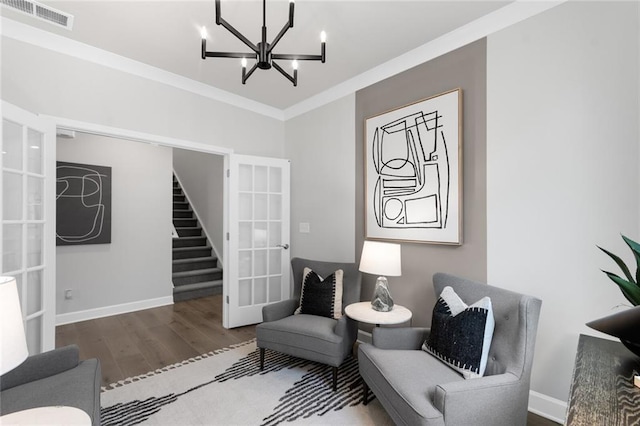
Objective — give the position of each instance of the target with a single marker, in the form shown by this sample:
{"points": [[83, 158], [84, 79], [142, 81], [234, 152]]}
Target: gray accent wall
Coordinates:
{"points": [[464, 68], [136, 265]]}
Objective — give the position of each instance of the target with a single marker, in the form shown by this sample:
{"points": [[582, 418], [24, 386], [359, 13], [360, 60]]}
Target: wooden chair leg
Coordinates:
{"points": [[335, 379], [261, 359], [365, 392]]}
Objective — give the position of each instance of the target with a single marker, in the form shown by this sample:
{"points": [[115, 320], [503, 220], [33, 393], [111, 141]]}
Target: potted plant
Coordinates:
{"points": [[630, 286], [624, 325]]}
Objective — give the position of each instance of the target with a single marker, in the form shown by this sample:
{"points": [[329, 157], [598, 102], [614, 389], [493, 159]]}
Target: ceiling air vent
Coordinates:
{"points": [[41, 11]]}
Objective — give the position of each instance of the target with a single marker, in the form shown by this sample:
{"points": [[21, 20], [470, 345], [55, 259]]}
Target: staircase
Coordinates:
{"points": [[195, 266]]}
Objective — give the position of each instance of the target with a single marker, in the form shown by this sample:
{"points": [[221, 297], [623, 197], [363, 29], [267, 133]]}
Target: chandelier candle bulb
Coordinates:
{"points": [[203, 33], [244, 62]]}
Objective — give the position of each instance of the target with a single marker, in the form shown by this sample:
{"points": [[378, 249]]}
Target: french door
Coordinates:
{"points": [[257, 261], [28, 219]]}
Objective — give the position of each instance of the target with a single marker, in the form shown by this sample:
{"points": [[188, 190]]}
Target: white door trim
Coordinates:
{"points": [[28, 119], [116, 132]]}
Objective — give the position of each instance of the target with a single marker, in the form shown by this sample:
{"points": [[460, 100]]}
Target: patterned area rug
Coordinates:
{"points": [[226, 387]]}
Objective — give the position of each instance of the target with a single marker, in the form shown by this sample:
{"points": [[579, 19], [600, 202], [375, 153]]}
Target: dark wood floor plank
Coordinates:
{"points": [[66, 335], [197, 339], [131, 322], [176, 345], [132, 365], [154, 352], [97, 348]]}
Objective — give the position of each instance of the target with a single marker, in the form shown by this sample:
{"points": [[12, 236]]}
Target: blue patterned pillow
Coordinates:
{"points": [[460, 334], [320, 296]]}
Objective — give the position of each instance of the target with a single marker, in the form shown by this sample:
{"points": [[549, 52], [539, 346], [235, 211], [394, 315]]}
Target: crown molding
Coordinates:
{"points": [[44, 39], [502, 18]]}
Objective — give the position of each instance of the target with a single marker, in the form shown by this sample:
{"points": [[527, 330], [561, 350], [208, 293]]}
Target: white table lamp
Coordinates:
{"points": [[13, 344], [382, 259]]}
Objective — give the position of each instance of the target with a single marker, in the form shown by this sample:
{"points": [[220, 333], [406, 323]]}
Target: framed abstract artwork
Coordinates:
{"points": [[413, 172], [83, 204]]}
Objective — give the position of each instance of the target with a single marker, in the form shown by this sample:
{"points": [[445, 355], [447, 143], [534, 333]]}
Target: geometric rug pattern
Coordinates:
{"points": [[227, 387]]}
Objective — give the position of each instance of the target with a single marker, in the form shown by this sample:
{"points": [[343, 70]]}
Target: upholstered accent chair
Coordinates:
{"points": [[416, 388], [315, 338], [56, 377]]}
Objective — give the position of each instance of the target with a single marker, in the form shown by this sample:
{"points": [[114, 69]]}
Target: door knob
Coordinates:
{"points": [[284, 246]]}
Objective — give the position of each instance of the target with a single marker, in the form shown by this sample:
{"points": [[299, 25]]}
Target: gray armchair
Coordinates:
{"points": [[416, 388], [311, 337], [52, 378]]}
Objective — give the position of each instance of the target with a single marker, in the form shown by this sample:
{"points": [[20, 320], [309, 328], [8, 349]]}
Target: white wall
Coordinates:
{"points": [[562, 169], [322, 153], [46, 82], [136, 266], [202, 178]]}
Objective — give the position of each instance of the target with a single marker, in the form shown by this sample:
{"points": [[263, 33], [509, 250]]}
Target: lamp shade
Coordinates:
{"points": [[381, 259], [13, 344]]}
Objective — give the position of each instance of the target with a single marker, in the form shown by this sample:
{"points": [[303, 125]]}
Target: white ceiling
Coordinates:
{"points": [[361, 34]]}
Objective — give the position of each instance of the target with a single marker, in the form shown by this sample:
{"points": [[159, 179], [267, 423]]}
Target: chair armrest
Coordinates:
{"points": [[399, 337], [42, 365], [279, 310], [475, 395]]}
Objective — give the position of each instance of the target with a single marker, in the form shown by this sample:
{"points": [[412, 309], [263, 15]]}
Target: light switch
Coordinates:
{"points": [[305, 228]]}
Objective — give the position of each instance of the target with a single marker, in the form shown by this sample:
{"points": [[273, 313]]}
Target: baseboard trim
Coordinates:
{"points": [[107, 311], [540, 404], [547, 407]]}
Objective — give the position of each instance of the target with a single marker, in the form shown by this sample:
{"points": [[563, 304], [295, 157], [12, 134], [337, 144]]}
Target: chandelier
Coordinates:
{"points": [[263, 51]]}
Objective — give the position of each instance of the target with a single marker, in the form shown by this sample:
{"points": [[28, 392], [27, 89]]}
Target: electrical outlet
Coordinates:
{"points": [[67, 294]]}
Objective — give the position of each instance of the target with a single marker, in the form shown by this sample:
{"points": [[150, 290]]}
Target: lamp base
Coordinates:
{"points": [[382, 300]]}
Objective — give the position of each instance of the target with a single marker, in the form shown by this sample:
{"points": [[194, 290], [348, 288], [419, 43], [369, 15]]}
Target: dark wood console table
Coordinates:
{"points": [[602, 390]]}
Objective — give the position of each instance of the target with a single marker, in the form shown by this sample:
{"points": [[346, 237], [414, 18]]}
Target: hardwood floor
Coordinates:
{"points": [[136, 343]]}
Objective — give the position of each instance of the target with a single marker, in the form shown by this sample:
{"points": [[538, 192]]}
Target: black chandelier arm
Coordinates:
{"points": [[293, 79], [239, 55], [246, 75], [284, 29], [229, 27], [293, 57]]}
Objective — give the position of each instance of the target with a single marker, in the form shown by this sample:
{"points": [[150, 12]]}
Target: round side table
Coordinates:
{"points": [[363, 312], [52, 416]]}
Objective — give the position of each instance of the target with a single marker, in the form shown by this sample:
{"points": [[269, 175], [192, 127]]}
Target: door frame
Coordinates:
{"points": [[47, 310], [157, 140]]}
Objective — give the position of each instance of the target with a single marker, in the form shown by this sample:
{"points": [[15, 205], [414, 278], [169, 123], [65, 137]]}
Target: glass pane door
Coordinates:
{"points": [[27, 243], [259, 234]]}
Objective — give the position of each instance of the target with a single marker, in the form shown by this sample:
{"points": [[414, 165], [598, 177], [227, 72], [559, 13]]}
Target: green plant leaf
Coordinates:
{"points": [[629, 290], [620, 263], [635, 248]]}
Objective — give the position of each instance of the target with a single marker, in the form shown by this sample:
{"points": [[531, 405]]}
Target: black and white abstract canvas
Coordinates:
{"points": [[413, 175], [83, 204]]}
